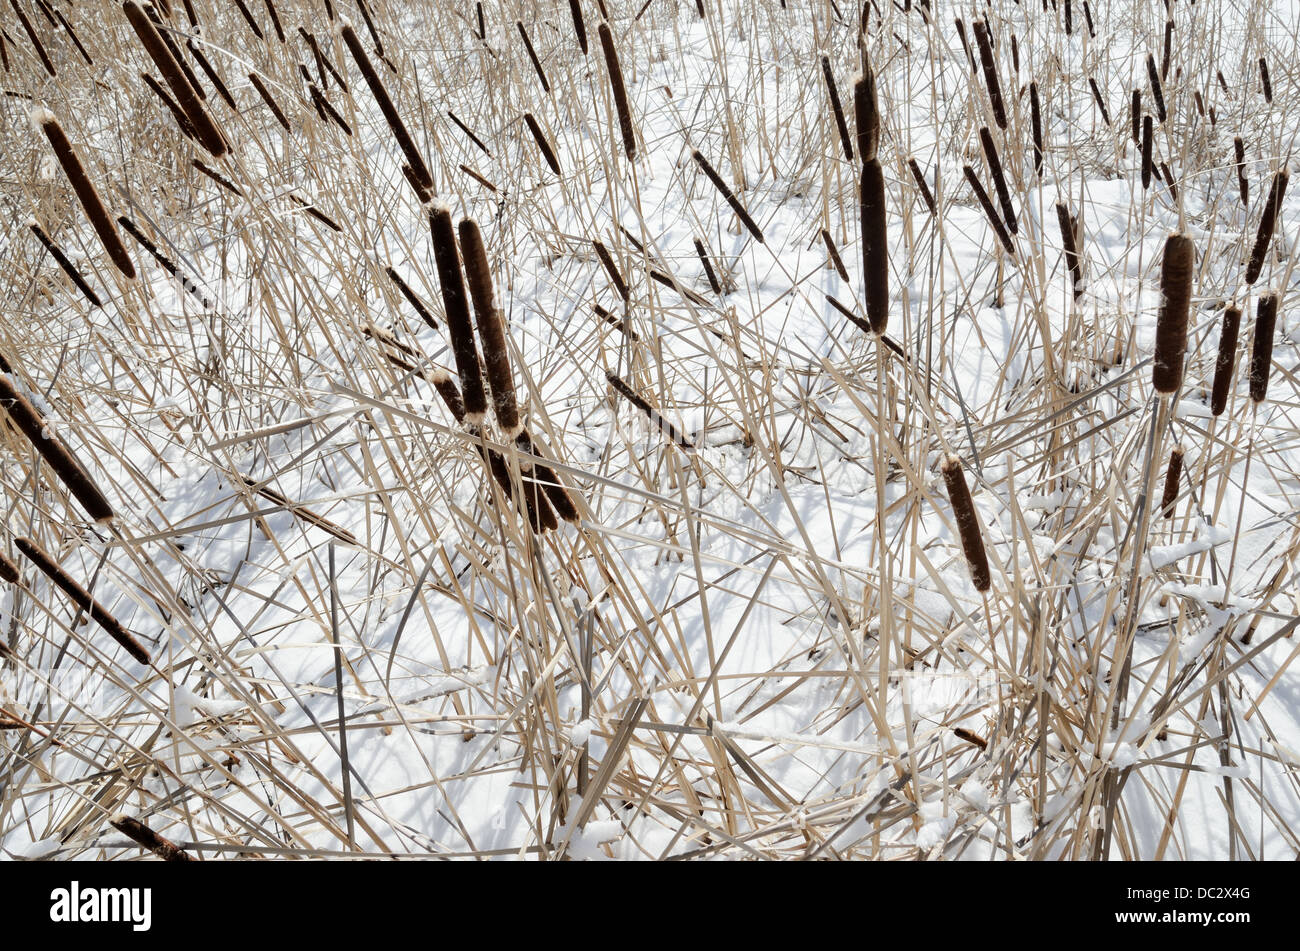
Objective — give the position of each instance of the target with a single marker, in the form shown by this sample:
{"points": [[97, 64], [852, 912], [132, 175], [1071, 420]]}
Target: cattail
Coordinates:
{"points": [[1263, 78], [1069, 243], [275, 20], [1267, 223], [669, 281], [182, 120], [85, 190], [167, 264], [838, 110], [834, 253], [972, 738], [620, 91], [469, 132], [8, 570], [620, 322], [482, 27], [1036, 122], [1243, 186], [316, 213], [36, 40], [1171, 326], [1223, 366], [419, 170], [1168, 50], [82, 599], [491, 331], [4, 50], [1156, 92], [1101, 103], [172, 48], [212, 75], [72, 35], [141, 833], [1261, 352], [866, 110], [248, 16], [73, 274], [1147, 136], [370, 27], [269, 100], [990, 73], [209, 136], [323, 105], [1223, 83], [1015, 54], [999, 181], [1136, 115], [1200, 103], [926, 195], [668, 429], [708, 265], [875, 247], [477, 177], [968, 528], [1087, 15], [532, 55], [547, 151], [611, 269], [579, 28], [732, 200], [1172, 475], [1069, 19], [544, 476], [961, 34], [1168, 178], [297, 511], [998, 227], [447, 258]]}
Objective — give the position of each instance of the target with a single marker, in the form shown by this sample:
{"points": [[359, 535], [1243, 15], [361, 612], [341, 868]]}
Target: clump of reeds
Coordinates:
{"points": [[1173, 473], [1267, 224], [138, 832], [619, 88], [1176, 268], [82, 599], [963, 507], [1223, 365], [991, 83], [1261, 351], [491, 329], [543, 144], [447, 258], [728, 194], [85, 190], [73, 274]]}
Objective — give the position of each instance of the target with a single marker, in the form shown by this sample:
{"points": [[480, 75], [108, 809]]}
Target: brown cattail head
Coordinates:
{"points": [[837, 109], [70, 472], [1136, 116], [8, 570], [491, 330], [923, 186], [616, 83], [1070, 245], [73, 274], [1264, 80], [1172, 475], [1036, 120], [269, 99], [1171, 326], [579, 27], [532, 55], [85, 190], [543, 144], [729, 195], [972, 542], [990, 212], [611, 269], [999, 180], [34, 37], [1223, 366], [146, 837], [1267, 224], [1261, 351], [1147, 136], [447, 258], [875, 245], [1100, 100], [866, 113], [1243, 186], [990, 73], [1157, 93]]}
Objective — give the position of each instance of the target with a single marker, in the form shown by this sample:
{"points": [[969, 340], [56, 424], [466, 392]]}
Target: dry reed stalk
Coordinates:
{"points": [[248, 17], [491, 328], [539, 137], [469, 132], [297, 511], [187, 98], [85, 190], [1157, 93], [212, 75], [999, 180], [411, 297], [1223, 365], [1036, 123], [275, 20], [926, 195], [147, 838], [619, 322], [621, 104], [1172, 474], [968, 528], [708, 265], [1243, 186], [674, 435], [727, 193], [607, 260], [1267, 224], [459, 328], [532, 55], [1264, 80], [73, 274], [1070, 245], [990, 73], [1147, 136], [82, 598], [419, 171], [579, 27], [1261, 351], [1176, 270], [1135, 113], [866, 114], [1101, 103], [837, 109], [875, 245], [36, 40], [990, 212]]}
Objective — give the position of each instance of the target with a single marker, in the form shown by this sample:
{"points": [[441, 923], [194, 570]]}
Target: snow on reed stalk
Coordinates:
{"points": [[1223, 365], [82, 599], [491, 329], [136, 830], [1172, 474], [548, 152], [1267, 224], [615, 71], [205, 129], [1261, 351], [85, 190], [999, 180], [73, 274], [727, 193], [991, 83], [447, 258], [1171, 326], [875, 239], [968, 528], [70, 472]]}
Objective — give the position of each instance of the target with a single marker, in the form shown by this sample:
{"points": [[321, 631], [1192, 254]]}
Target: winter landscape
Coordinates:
{"points": [[649, 429]]}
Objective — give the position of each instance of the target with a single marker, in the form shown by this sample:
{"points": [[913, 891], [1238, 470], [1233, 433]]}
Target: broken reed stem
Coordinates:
{"points": [[52, 449], [1157, 93], [579, 27], [990, 73], [1176, 268], [989, 211], [85, 191], [1069, 243], [1267, 224], [1036, 121], [999, 180], [866, 114], [875, 246], [1223, 365], [621, 104], [269, 100], [548, 152], [727, 193], [532, 55], [837, 109], [491, 329], [611, 269], [926, 195], [1261, 351], [963, 507], [447, 258], [205, 129], [140, 833], [73, 274], [1172, 476], [82, 599], [36, 40], [708, 266], [421, 178], [674, 435]]}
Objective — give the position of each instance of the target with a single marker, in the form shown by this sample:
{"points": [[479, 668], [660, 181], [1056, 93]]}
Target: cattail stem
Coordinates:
{"points": [[82, 599], [1172, 475], [1267, 224], [990, 73], [875, 246], [491, 329], [539, 137], [73, 274], [447, 258], [1176, 268], [999, 180], [963, 507], [837, 109], [1261, 353], [727, 193], [619, 88], [990, 212], [1223, 365], [146, 837]]}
